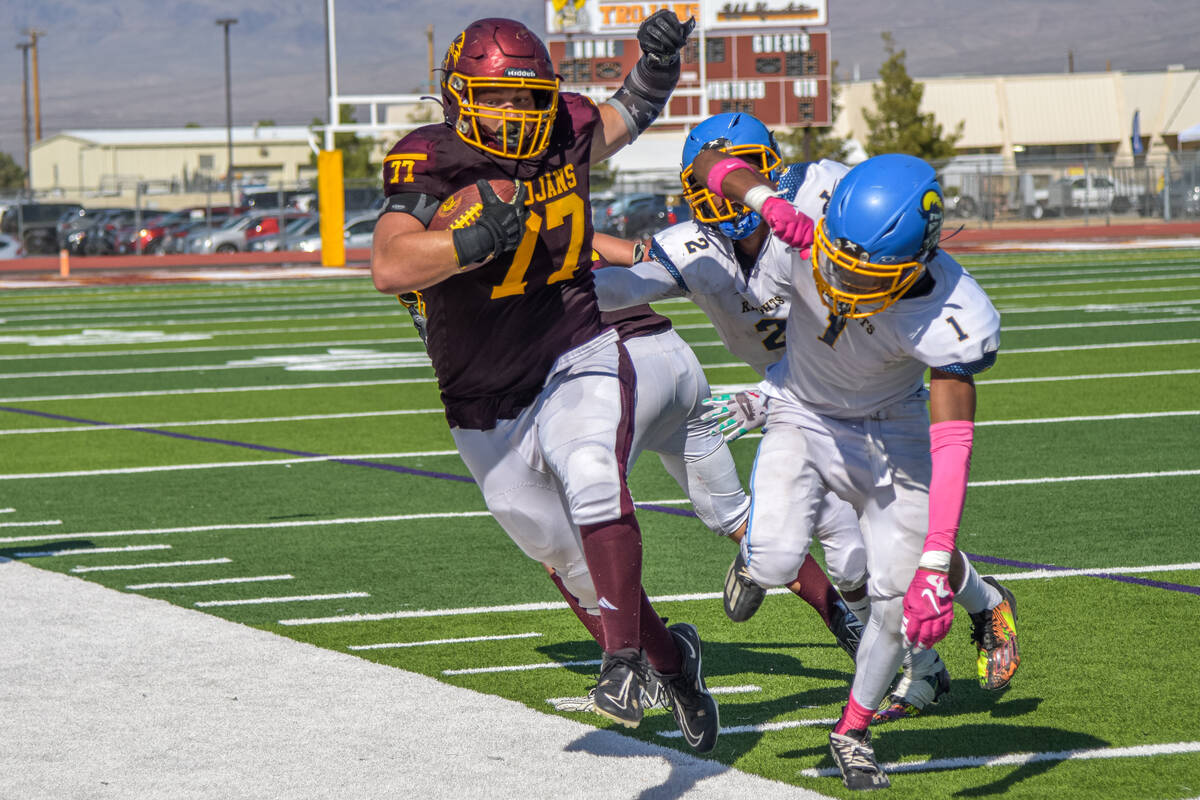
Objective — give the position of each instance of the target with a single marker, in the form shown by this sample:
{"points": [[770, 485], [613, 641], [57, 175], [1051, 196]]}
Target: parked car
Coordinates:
{"points": [[638, 216], [295, 232], [10, 247], [1090, 193], [358, 232], [148, 237], [231, 236], [35, 223], [96, 232]]}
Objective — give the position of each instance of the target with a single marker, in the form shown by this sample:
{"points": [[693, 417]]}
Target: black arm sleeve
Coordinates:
{"points": [[645, 92], [421, 206]]}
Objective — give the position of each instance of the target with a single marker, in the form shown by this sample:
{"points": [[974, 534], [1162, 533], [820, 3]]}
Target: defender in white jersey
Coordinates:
{"points": [[877, 306], [737, 272]]}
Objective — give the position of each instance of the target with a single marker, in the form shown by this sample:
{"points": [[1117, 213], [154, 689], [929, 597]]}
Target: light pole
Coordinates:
{"points": [[24, 48], [225, 23]]}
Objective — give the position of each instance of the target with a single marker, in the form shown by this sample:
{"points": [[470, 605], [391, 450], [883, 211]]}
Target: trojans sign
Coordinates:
{"points": [[624, 16]]}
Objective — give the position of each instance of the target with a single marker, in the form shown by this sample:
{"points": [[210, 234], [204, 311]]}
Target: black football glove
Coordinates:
{"points": [[499, 229], [662, 36]]}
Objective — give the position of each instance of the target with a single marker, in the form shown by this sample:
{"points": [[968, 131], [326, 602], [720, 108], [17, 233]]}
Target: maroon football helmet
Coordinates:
{"points": [[488, 63]]}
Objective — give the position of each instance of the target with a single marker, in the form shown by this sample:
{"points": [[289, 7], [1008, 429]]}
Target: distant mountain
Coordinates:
{"points": [[136, 63]]}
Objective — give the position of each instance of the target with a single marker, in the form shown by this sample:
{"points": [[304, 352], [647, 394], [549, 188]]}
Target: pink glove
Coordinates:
{"points": [[792, 226], [928, 609]]}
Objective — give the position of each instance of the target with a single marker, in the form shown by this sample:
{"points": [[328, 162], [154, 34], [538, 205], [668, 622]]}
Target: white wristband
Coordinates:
{"points": [[757, 195], [936, 560]]}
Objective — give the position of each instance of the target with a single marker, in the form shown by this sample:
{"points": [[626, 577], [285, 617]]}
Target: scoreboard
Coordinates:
{"points": [[781, 76]]}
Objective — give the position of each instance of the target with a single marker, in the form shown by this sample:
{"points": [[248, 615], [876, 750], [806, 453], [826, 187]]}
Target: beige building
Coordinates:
{"points": [[1026, 117], [90, 164]]}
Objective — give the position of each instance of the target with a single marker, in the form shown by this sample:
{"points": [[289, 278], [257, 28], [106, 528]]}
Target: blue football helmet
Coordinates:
{"points": [[739, 135], [883, 223]]}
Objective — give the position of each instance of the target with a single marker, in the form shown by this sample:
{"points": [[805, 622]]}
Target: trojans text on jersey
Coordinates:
{"points": [[551, 184]]}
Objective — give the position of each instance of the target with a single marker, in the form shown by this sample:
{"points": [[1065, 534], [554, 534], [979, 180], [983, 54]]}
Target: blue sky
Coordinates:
{"points": [[136, 63]]}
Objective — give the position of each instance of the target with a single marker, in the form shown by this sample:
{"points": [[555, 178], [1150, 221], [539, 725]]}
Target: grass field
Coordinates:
{"points": [[273, 453]]}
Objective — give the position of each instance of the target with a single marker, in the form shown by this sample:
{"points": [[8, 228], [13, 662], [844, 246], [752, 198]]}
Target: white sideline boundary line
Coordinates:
{"points": [[1020, 759], [427, 642], [303, 598]]}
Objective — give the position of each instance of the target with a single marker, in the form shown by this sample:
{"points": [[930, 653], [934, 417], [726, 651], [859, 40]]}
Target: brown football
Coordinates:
{"points": [[462, 208]]}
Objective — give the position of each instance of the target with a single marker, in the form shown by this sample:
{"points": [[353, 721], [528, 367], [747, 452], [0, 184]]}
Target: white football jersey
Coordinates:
{"points": [[850, 368], [690, 260]]}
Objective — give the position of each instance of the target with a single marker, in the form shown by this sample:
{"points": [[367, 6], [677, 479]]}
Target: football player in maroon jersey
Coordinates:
{"points": [[538, 390]]}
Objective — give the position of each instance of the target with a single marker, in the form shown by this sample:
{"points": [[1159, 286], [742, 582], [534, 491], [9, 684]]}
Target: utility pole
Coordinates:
{"points": [[429, 40], [225, 23], [33, 34], [24, 48]]}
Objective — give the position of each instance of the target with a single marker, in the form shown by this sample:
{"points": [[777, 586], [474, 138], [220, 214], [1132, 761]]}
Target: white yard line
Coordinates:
{"points": [[226, 464], [721, 690], [461, 514], [30, 524], [248, 526], [594, 662], [204, 422], [416, 411], [216, 390], [678, 598], [428, 642], [89, 551], [393, 360], [1020, 759], [302, 598], [228, 348], [156, 565], [1073, 573], [401, 381], [135, 587], [765, 727]]}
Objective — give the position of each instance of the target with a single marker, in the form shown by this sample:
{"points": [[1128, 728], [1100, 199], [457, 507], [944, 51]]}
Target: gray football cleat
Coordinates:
{"points": [[855, 758], [742, 595]]}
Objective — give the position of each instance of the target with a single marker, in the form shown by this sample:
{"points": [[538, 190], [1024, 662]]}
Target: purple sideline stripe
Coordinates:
{"points": [[259, 447], [354, 462]]}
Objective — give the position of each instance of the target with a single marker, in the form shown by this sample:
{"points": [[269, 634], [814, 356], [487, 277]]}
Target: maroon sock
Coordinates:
{"points": [[815, 589], [614, 557], [658, 642], [590, 621]]}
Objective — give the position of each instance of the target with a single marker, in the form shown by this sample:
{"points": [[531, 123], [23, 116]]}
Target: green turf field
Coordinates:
{"points": [[274, 453]]}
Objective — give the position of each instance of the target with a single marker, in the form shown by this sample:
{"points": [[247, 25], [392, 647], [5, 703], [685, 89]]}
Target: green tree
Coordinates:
{"points": [[897, 125], [822, 142], [356, 150], [12, 176]]}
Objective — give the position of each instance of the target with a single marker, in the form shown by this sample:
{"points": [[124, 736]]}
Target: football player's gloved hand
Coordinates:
{"points": [[928, 609], [415, 304], [739, 413], [499, 228], [792, 226], [662, 36]]}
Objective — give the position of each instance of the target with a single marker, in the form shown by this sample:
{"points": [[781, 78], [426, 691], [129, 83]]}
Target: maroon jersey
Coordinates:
{"points": [[494, 332]]}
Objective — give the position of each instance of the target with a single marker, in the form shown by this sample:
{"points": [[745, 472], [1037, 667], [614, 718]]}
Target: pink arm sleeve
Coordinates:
{"points": [[950, 451], [720, 170]]}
